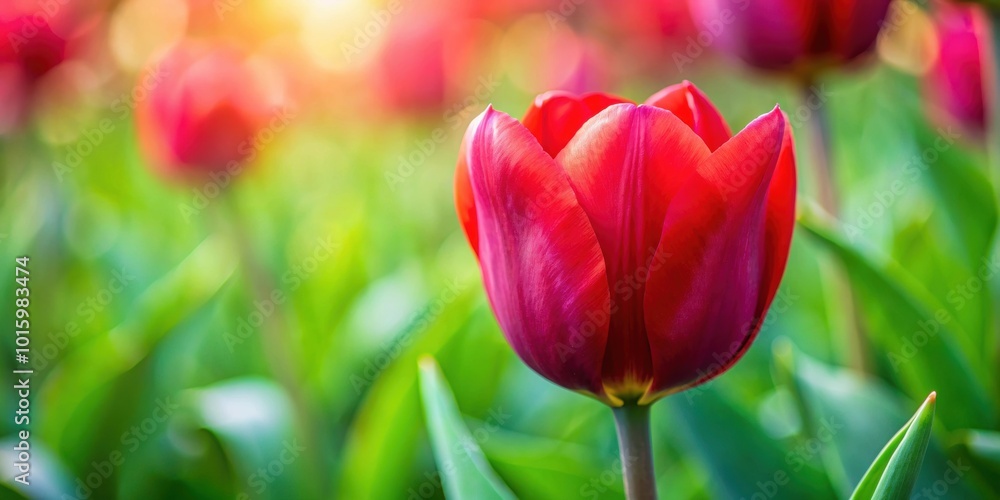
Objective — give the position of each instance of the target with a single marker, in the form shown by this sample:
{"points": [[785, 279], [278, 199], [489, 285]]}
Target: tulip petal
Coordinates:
{"points": [[542, 266], [555, 117], [625, 166], [465, 202], [778, 225], [693, 108], [704, 302]]}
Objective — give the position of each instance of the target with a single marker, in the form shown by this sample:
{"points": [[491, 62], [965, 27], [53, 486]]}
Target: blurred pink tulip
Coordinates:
{"points": [[29, 42], [801, 37], [428, 60], [206, 108], [954, 85], [29, 49]]}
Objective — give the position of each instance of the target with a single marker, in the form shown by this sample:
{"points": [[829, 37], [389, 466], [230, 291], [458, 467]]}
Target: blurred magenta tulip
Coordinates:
{"points": [[29, 49], [412, 71], [205, 109], [629, 252], [426, 62], [798, 36], [954, 84], [29, 42]]}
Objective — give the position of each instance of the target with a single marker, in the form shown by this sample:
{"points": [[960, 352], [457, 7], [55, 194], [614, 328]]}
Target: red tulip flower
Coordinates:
{"points": [[205, 109], [628, 251], [954, 84], [791, 35]]}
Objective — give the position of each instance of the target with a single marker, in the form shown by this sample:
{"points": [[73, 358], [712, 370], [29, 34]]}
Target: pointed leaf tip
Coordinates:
{"points": [[465, 472], [897, 466]]}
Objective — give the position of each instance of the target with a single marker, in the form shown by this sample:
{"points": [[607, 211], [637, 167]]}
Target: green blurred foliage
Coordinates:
{"points": [[184, 380]]}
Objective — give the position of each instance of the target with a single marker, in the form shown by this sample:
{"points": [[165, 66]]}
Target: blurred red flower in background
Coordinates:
{"points": [[33, 41], [800, 37], [30, 43], [954, 85], [625, 248], [648, 31], [428, 60], [205, 111]]}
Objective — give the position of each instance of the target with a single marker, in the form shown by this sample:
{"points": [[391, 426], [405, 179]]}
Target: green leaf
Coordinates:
{"points": [[378, 440], [924, 347], [741, 459], [848, 417], [173, 298], [463, 467], [844, 417], [894, 471], [540, 467], [964, 191]]}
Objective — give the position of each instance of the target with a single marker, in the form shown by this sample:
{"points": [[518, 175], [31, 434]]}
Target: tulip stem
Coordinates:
{"points": [[818, 124], [991, 90], [847, 325], [636, 451]]}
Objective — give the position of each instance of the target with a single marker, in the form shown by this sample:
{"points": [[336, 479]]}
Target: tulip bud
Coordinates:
{"points": [[794, 36], [954, 84], [205, 109], [625, 249]]}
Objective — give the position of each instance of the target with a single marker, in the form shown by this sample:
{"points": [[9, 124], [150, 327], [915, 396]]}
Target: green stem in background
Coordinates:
{"points": [[841, 297], [991, 89], [274, 337], [636, 451], [818, 125]]}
